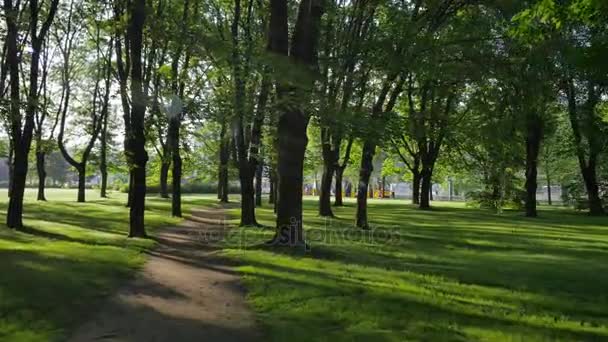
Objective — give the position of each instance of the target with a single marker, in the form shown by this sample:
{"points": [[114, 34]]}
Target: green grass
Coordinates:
{"points": [[69, 258], [450, 274]]}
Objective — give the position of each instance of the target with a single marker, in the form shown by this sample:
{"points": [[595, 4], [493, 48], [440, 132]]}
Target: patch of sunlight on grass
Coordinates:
{"points": [[69, 258], [449, 274]]}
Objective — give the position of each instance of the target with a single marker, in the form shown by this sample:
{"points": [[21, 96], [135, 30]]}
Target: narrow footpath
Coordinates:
{"points": [[185, 292]]}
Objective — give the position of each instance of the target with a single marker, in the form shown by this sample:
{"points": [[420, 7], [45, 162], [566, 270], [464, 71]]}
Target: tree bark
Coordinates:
{"points": [[176, 199], [11, 167], [293, 120], [138, 109], [164, 177], [258, 185], [425, 189], [416, 187], [325, 191], [590, 177], [103, 162], [22, 139], [41, 173], [245, 172], [223, 166], [365, 172], [81, 182], [588, 165], [549, 199], [176, 172], [338, 201]]}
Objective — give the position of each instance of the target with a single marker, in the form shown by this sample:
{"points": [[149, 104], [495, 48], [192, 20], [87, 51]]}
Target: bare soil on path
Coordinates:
{"points": [[185, 292]]}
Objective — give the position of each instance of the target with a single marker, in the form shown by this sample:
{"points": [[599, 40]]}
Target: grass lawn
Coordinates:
{"points": [[450, 274], [68, 259]]}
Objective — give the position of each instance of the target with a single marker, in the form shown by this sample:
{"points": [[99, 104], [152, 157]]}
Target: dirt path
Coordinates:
{"points": [[185, 292]]}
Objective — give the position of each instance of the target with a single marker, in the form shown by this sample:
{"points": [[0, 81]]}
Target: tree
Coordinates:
{"points": [[100, 95], [293, 117], [21, 137]]}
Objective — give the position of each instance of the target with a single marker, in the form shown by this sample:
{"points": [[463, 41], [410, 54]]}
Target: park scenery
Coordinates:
{"points": [[306, 170]]}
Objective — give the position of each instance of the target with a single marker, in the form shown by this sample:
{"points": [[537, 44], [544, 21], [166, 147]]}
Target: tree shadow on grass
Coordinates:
{"points": [[409, 310], [43, 294]]}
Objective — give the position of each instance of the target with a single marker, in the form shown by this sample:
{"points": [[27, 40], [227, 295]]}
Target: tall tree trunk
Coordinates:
{"points": [[425, 188], [293, 121], [138, 110], [176, 173], [325, 193], [292, 147], [533, 140], [11, 168], [591, 184], [164, 177], [103, 158], [338, 202], [258, 185], [245, 172], [103, 164], [588, 167], [549, 199], [19, 157], [40, 154], [176, 198], [223, 166], [416, 187], [81, 182], [15, 207], [365, 173], [22, 139]]}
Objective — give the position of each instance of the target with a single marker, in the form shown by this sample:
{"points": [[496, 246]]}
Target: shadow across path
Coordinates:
{"points": [[185, 292]]}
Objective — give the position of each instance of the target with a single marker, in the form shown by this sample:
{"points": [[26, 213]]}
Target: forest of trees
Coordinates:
{"points": [[499, 94]]}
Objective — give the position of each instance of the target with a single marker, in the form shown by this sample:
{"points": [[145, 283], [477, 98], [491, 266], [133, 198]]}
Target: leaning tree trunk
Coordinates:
{"points": [[590, 178], [533, 140], [338, 201], [40, 156], [365, 173]]}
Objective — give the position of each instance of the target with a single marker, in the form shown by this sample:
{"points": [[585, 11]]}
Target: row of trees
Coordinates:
{"points": [[461, 85]]}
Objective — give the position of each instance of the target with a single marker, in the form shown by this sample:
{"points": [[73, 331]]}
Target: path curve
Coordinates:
{"points": [[185, 292]]}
